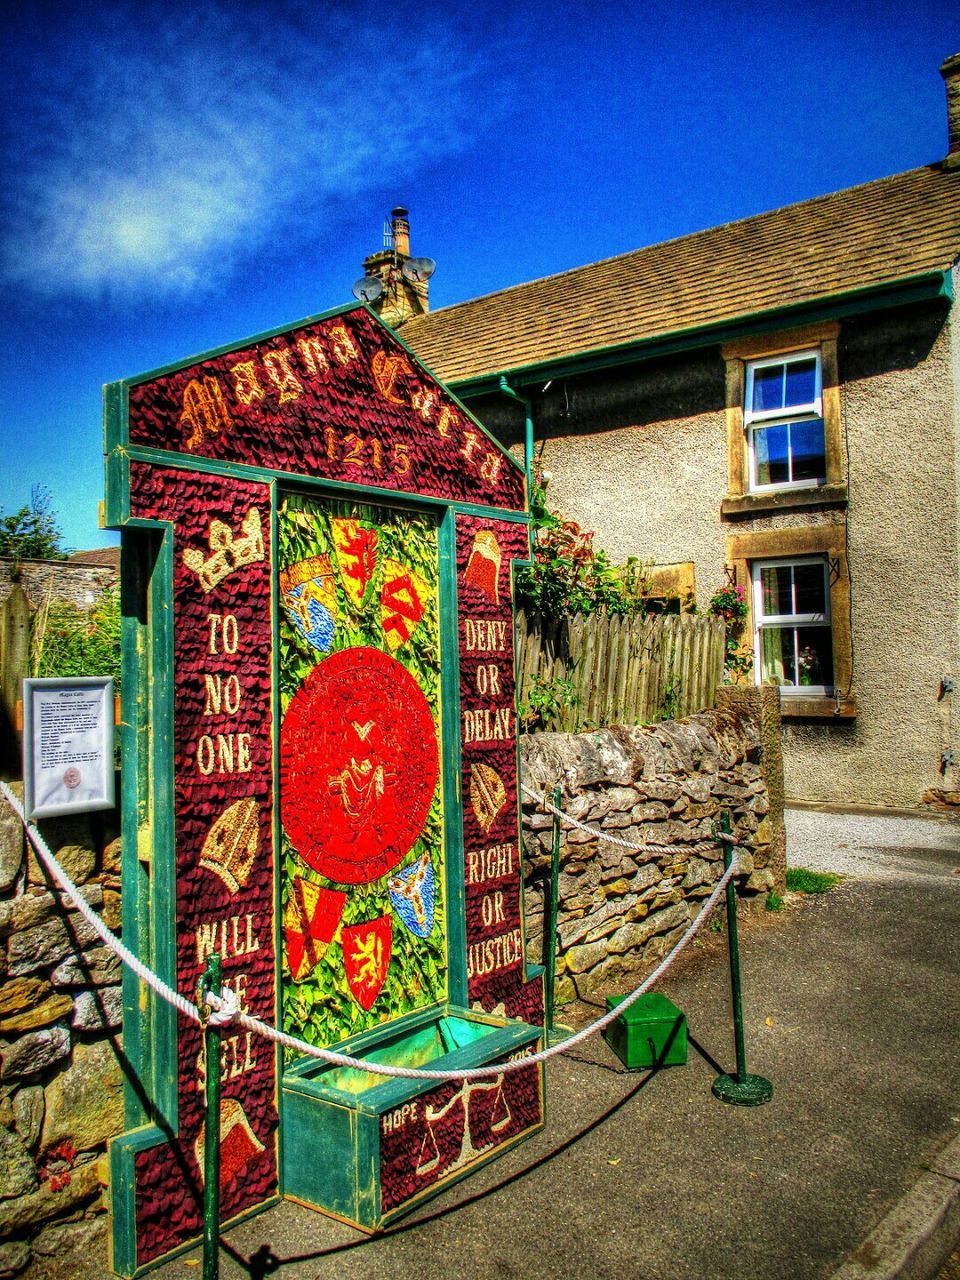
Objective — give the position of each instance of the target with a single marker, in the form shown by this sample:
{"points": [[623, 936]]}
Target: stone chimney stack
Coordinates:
{"points": [[951, 78], [405, 280]]}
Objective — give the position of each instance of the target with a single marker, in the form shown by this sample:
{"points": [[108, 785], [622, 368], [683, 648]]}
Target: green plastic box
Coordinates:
{"points": [[651, 1033]]}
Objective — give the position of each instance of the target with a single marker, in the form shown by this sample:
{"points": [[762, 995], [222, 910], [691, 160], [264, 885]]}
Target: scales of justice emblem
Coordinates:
{"points": [[470, 1148]]}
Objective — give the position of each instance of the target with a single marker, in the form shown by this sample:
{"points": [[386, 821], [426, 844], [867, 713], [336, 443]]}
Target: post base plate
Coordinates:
{"points": [[743, 1091]]}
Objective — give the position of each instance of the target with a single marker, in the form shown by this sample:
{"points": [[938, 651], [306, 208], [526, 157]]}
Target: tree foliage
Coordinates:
{"points": [[32, 533]]}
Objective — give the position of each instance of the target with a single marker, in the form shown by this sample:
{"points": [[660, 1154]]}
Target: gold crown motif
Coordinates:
{"points": [[228, 552]]}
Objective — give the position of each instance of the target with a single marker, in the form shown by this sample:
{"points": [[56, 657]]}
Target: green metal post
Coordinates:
{"points": [[742, 1089], [211, 981], [550, 922]]}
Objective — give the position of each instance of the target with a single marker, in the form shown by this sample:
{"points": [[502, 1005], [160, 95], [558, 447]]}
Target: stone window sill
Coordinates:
{"points": [[817, 706], [785, 500]]}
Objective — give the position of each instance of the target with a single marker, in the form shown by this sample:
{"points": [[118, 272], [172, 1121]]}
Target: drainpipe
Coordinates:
{"points": [[507, 390]]}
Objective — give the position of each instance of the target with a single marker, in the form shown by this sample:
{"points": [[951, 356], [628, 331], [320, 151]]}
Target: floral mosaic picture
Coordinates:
{"points": [[364, 931]]}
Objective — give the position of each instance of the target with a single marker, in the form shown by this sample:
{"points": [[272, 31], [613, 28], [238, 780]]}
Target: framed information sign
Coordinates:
{"points": [[67, 745]]}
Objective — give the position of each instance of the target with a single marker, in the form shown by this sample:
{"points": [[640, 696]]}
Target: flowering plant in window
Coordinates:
{"points": [[808, 665]]}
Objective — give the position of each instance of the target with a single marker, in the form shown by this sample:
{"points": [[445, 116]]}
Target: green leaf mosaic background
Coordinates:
{"points": [[321, 1008]]}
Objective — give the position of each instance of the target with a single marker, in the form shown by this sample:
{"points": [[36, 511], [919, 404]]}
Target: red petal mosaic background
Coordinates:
{"points": [[339, 398], [223, 680], [451, 1126], [496, 967], [348, 821]]}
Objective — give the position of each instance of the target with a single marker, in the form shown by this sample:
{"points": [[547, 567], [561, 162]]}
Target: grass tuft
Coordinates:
{"points": [[800, 880], [775, 901]]}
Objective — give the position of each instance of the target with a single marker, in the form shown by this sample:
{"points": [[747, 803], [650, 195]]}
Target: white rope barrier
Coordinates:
{"points": [[226, 1010], [647, 847], [186, 1007]]}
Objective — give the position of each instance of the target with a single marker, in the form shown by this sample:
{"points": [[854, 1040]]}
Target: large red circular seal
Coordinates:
{"points": [[358, 765]]}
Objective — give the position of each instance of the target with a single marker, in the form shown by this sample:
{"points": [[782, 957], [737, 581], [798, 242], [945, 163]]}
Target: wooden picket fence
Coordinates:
{"points": [[612, 670], [14, 665]]}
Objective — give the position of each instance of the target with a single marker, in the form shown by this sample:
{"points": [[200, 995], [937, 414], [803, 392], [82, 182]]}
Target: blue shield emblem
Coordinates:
{"points": [[310, 600], [413, 892]]}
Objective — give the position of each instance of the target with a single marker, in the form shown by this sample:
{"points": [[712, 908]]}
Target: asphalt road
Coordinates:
{"points": [[852, 1002]]}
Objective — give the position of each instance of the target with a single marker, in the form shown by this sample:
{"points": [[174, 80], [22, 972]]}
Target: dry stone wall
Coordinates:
{"points": [[79, 584], [61, 1088], [621, 910]]}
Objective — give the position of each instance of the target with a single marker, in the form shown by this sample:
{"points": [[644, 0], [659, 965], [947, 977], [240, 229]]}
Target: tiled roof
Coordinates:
{"points": [[873, 234], [102, 557]]}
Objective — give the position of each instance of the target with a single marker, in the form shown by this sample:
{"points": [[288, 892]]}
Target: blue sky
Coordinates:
{"points": [[178, 176]]}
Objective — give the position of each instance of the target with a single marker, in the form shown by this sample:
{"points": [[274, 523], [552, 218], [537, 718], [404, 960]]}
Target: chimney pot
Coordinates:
{"points": [[950, 70], [401, 231]]}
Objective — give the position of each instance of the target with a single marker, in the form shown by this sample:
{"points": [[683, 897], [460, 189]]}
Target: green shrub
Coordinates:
{"points": [[569, 576], [67, 641], [546, 699]]}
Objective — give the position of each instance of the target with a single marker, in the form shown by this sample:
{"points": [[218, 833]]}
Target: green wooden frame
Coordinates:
{"points": [[147, 750]]}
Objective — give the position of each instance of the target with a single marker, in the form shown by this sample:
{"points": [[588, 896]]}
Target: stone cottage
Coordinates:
{"points": [[775, 400]]}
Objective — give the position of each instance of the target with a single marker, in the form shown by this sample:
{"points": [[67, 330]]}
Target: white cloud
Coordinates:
{"points": [[151, 147]]}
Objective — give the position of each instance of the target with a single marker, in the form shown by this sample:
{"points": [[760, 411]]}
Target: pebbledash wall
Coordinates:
{"points": [[621, 910], [61, 1086], [60, 1053], [641, 456]]}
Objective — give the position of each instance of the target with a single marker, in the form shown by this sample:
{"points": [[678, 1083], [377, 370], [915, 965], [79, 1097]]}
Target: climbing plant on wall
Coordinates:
{"points": [[729, 603], [569, 575]]}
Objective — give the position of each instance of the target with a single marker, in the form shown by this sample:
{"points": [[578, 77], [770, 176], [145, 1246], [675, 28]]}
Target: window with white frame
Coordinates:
{"points": [[783, 419], [792, 631]]}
